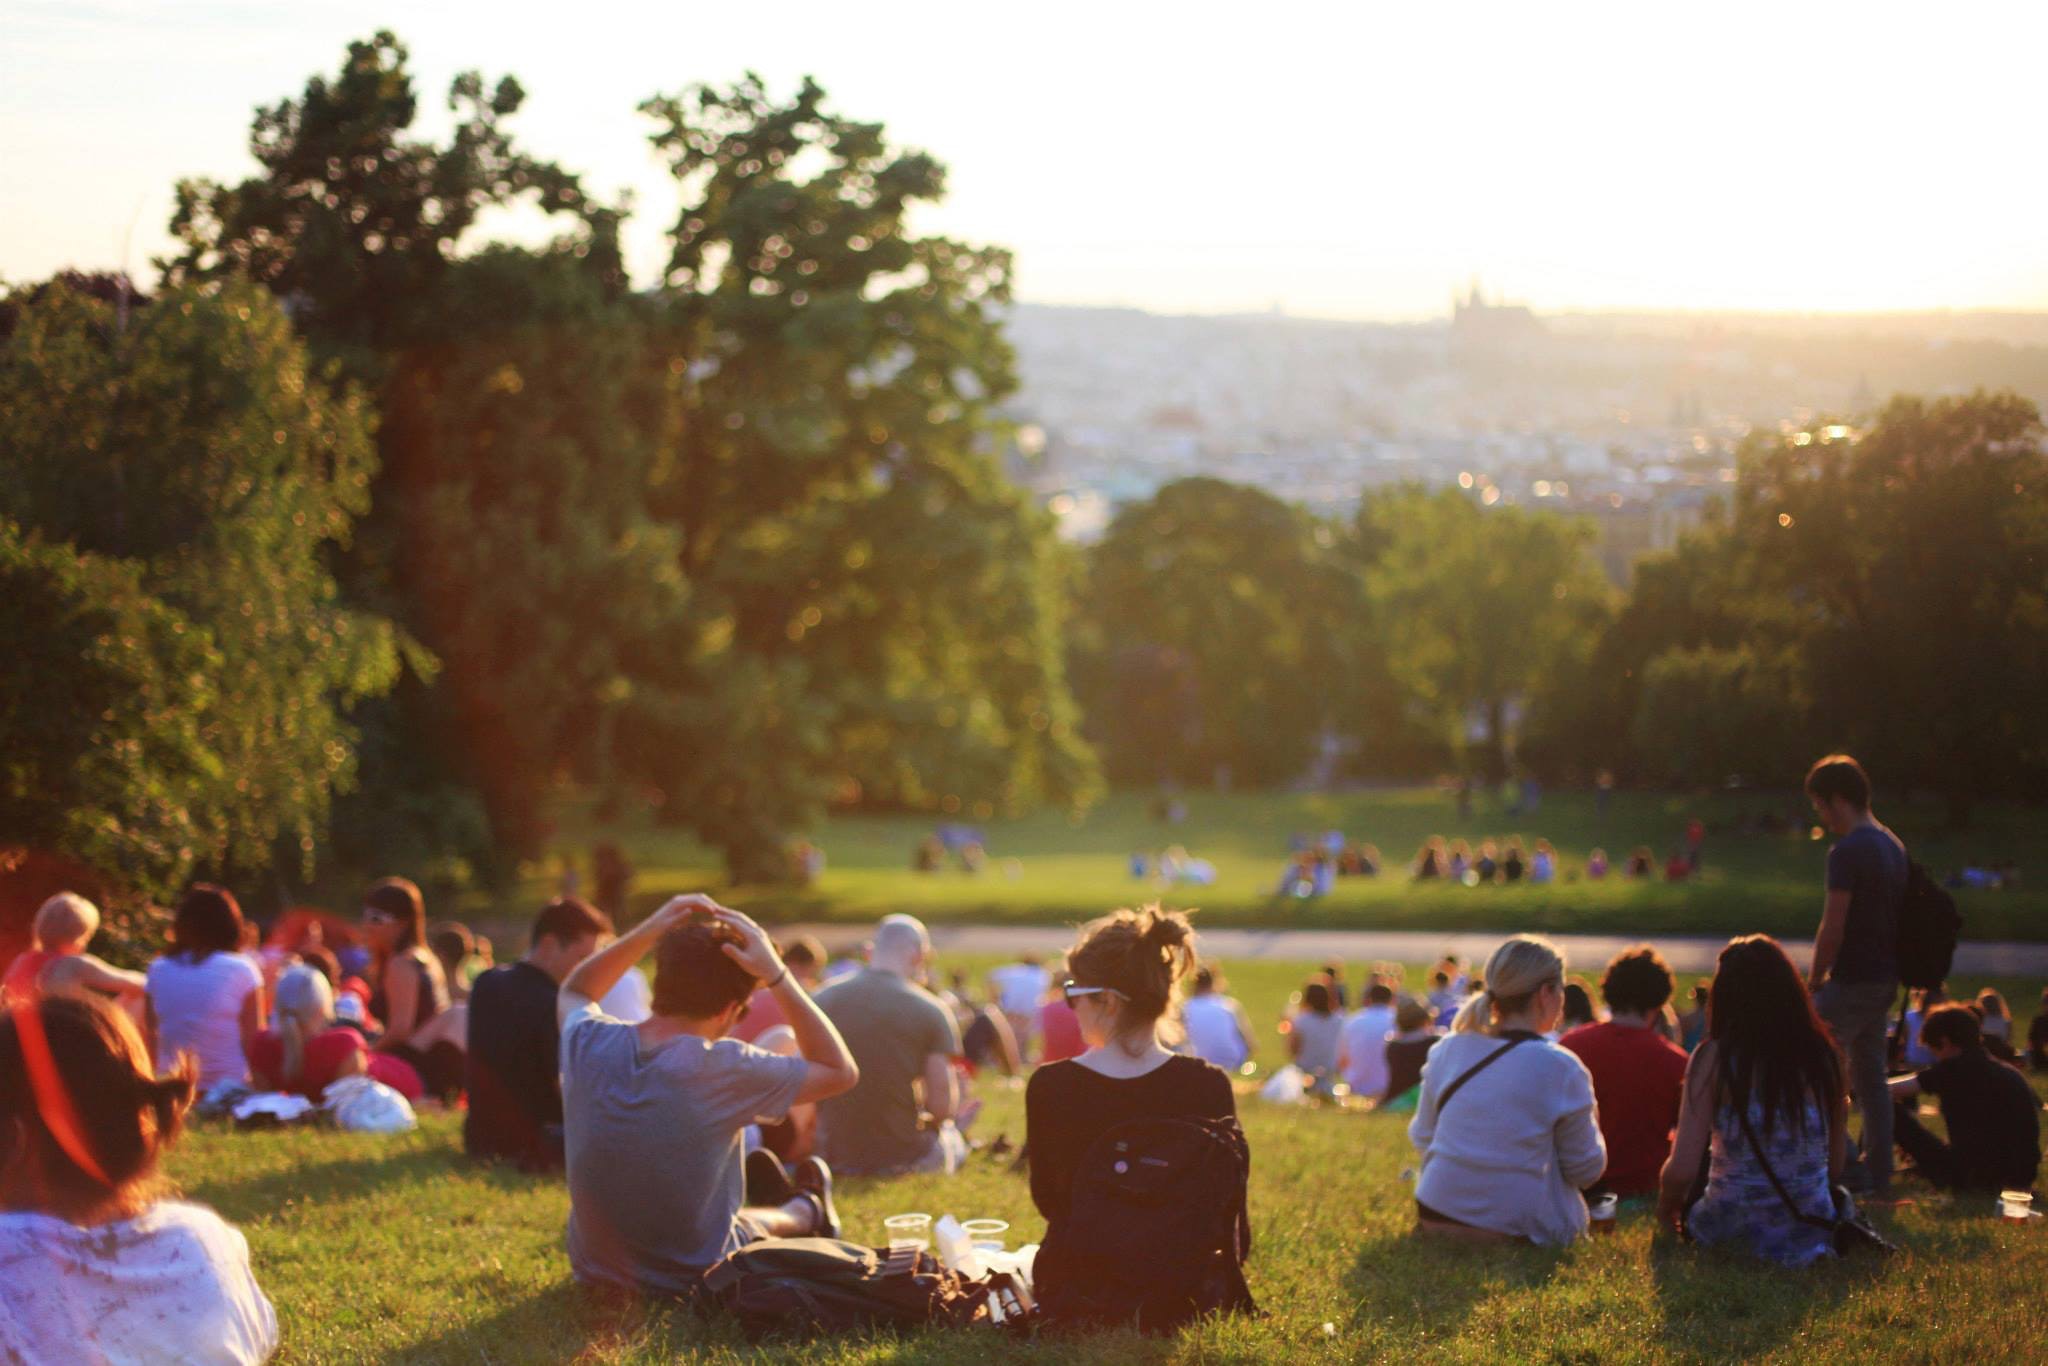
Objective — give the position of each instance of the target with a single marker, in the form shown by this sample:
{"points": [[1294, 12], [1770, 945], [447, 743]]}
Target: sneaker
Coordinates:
{"points": [[767, 1180], [813, 1178]]}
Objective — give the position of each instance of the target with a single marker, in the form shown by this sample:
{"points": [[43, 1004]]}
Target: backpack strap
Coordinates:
{"points": [[1783, 1195], [1489, 1060]]}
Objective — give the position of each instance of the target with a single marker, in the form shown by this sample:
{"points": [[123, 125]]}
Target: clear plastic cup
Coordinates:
{"points": [[912, 1231], [1603, 1208], [987, 1235], [2017, 1206]]}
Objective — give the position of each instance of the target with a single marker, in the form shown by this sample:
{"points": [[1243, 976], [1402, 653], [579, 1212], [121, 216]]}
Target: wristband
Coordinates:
{"points": [[770, 986]]}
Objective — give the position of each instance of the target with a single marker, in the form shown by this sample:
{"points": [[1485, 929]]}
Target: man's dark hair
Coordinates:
{"points": [[1379, 994], [804, 951], [693, 978], [1955, 1025], [1839, 776], [1638, 981], [1315, 997], [208, 921], [569, 918]]}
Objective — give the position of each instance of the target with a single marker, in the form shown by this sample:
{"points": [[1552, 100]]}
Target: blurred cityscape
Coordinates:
{"points": [[1632, 420]]}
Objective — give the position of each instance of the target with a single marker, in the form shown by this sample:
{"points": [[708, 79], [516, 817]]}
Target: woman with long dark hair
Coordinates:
{"points": [[409, 991], [205, 997], [1766, 1094]]}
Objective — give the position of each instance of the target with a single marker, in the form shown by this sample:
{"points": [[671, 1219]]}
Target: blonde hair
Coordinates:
{"points": [[1516, 972], [66, 918], [305, 1006]]}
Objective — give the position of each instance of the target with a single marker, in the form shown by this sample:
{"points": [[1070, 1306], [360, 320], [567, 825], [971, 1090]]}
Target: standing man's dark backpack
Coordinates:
{"points": [[1158, 1232], [1929, 925]]}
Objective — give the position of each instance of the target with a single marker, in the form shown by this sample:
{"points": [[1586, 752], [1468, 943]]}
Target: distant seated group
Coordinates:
{"points": [[1505, 861]]}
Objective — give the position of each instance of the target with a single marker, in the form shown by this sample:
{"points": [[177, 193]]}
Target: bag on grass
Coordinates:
{"points": [[1157, 1230], [364, 1106], [823, 1285], [1286, 1086]]}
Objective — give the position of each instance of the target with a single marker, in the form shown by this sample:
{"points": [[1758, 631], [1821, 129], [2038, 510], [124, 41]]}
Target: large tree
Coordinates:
{"points": [[200, 472]]}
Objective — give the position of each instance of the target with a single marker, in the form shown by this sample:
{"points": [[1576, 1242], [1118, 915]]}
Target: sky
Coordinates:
{"points": [[1358, 160]]}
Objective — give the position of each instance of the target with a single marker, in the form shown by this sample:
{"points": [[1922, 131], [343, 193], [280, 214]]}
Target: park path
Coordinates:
{"points": [[1587, 953]]}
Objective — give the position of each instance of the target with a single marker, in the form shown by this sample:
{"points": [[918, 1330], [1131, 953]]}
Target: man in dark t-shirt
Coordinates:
{"points": [[1855, 973], [1993, 1119], [514, 1076]]}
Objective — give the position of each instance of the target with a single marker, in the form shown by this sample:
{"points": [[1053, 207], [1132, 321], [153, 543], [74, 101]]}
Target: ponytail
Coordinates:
{"points": [[1142, 955], [1518, 970], [1476, 1015], [305, 1006]]}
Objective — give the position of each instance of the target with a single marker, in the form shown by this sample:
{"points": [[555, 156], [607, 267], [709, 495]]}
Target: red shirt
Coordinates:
{"points": [[1638, 1076], [764, 1012], [1059, 1032], [326, 1054], [20, 981]]}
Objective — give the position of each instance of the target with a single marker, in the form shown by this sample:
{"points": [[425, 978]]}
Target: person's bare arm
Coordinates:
{"points": [[1834, 919], [252, 1020], [1689, 1147], [941, 1094], [92, 972], [831, 1069], [401, 1001], [599, 973]]}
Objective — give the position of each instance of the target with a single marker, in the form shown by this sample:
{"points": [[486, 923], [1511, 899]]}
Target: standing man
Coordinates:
{"points": [[1855, 975], [514, 1054]]}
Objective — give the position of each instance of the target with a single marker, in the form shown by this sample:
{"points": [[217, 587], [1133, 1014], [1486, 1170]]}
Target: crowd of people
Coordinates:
{"points": [[713, 1108]]}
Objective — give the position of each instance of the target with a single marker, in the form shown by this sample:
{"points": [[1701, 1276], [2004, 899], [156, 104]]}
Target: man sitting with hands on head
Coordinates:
{"points": [[653, 1112]]}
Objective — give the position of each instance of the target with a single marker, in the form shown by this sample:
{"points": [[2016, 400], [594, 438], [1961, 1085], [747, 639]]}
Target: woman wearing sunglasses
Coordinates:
{"points": [[1121, 978]]}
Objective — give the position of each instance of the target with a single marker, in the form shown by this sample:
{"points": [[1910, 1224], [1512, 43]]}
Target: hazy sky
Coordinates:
{"points": [[1353, 159]]}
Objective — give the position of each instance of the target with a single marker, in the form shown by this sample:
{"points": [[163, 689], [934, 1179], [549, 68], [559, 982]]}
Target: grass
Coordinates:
{"points": [[1047, 869], [395, 1249]]}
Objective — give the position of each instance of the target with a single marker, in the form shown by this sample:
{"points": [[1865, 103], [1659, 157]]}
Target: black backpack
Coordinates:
{"points": [[1156, 1232], [1929, 925], [801, 1286]]}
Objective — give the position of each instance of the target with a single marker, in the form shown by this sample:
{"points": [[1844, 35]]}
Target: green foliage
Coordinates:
{"points": [[1212, 631], [197, 449], [1737, 713], [1477, 608]]}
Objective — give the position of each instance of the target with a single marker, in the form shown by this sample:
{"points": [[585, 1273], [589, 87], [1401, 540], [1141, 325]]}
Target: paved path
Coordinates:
{"points": [[1586, 953]]}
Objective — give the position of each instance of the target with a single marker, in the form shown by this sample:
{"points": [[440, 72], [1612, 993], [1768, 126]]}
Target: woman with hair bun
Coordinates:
{"points": [[95, 1263], [1122, 976], [1506, 1124]]}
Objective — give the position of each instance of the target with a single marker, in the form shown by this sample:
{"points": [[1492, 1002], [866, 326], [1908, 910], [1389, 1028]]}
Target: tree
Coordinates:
{"points": [[1477, 606], [197, 449], [1708, 715], [1215, 617]]}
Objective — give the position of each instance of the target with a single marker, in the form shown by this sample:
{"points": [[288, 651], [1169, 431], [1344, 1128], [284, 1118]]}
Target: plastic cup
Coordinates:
{"points": [[987, 1235], [1602, 1208], [912, 1231], [2017, 1206]]}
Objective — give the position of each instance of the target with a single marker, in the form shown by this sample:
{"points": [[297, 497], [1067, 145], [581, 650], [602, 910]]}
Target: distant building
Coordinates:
{"points": [[1478, 323]]}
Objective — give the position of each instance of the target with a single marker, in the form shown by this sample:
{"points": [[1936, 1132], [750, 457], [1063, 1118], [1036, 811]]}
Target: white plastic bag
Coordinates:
{"points": [[1285, 1087], [361, 1105]]}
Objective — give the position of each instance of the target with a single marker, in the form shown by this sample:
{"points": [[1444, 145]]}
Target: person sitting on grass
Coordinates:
{"points": [[1578, 1007], [1408, 1048], [63, 926], [205, 995], [1362, 1052], [96, 1263], [513, 1073], [653, 1112], [307, 1051], [1505, 1123], [1997, 1028], [1768, 1087], [1992, 1117], [1315, 1035], [900, 1117], [1638, 1074], [1217, 1028], [805, 958], [2037, 1036], [1121, 976], [409, 992]]}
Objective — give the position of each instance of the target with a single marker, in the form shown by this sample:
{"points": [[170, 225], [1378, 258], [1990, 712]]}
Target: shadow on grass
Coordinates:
{"points": [[1401, 1278], [1732, 1307]]}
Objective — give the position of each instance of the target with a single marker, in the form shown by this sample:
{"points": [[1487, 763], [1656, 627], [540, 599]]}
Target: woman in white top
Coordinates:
{"points": [[204, 997], [95, 1265], [1217, 1030], [1505, 1124]]}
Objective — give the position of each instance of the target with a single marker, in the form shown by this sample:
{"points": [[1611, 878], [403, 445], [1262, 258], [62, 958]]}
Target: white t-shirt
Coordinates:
{"points": [[1365, 1050], [1020, 987], [632, 1000], [171, 1285], [199, 1011], [1214, 1032]]}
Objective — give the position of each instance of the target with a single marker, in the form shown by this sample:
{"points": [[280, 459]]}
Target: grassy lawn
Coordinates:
{"points": [[394, 1249], [1046, 869]]}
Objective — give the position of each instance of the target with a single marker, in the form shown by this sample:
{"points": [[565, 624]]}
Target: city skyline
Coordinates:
{"points": [[1328, 162]]}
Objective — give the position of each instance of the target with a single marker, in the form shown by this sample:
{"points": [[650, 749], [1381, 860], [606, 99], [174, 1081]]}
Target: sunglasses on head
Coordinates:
{"points": [[1073, 991]]}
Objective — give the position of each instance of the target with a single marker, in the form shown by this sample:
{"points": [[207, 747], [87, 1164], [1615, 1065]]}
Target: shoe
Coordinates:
{"points": [[767, 1180], [814, 1179]]}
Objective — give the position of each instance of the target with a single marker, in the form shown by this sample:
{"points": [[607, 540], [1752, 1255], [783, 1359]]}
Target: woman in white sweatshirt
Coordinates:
{"points": [[1505, 1124]]}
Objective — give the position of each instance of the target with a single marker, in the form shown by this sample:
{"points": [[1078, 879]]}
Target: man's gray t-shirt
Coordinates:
{"points": [[654, 1161], [891, 1027], [1869, 863]]}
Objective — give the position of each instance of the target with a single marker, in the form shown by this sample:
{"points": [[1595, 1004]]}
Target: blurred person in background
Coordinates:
{"points": [[1362, 1050], [205, 996], [63, 926], [1218, 1030], [1315, 1035]]}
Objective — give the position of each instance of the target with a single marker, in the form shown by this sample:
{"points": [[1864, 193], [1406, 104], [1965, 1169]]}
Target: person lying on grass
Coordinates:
{"points": [[1765, 1096], [1505, 1123], [95, 1263], [653, 1112]]}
